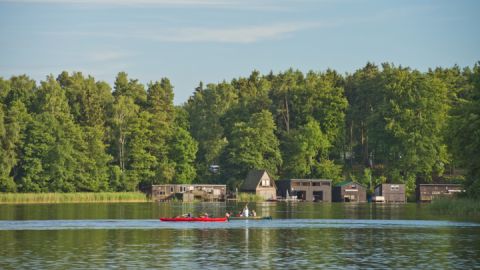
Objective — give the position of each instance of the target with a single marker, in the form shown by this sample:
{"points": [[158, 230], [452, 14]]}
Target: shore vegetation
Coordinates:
{"points": [[75, 197]]}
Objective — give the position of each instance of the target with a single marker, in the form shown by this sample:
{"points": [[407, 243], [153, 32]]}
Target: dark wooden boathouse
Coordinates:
{"points": [[391, 193], [188, 193], [349, 191], [427, 192], [310, 190]]}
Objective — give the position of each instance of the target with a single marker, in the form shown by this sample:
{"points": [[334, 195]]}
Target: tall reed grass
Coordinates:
{"points": [[249, 197], [77, 197], [456, 206]]}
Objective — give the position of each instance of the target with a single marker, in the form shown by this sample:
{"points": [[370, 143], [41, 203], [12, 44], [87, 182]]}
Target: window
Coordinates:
{"points": [[316, 183], [394, 187], [171, 189]]}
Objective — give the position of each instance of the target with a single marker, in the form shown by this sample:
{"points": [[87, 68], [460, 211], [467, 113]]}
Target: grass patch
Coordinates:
{"points": [[456, 206], [249, 197], [78, 197]]}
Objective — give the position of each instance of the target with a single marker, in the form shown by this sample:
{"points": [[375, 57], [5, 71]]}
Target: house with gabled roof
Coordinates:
{"points": [[259, 182]]}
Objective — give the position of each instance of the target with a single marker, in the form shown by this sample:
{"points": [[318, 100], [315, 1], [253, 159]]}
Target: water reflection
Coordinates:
{"points": [[243, 246], [310, 236], [276, 210]]}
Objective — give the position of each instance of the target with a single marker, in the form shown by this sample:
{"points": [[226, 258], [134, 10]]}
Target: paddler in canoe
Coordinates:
{"points": [[247, 214]]}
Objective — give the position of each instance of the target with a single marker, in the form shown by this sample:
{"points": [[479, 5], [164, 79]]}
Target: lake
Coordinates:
{"points": [[301, 235]]}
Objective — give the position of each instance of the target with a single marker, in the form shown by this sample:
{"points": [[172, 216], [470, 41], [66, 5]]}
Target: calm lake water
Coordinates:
{"points": [[301, 235]]}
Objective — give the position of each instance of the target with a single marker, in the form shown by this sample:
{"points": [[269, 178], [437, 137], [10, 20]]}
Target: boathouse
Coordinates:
{"points": [[391, 193], [188, 193], [259, 182], [427, 192], [310, 190], [349, 191]]}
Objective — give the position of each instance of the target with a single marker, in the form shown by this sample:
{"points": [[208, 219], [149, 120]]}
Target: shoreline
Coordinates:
{"points": [[77, 197]]}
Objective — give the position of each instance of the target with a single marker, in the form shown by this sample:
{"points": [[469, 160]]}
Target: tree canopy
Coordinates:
{"points": [[380, 123]]}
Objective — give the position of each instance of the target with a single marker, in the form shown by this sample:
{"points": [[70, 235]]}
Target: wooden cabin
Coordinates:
{"points": [[310, 190], [391, 193], [260, 183], [349, 191], [426, 192], [188, 193]]}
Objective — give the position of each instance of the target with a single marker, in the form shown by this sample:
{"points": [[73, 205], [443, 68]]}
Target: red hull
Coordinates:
{"points": [[186, 219]]}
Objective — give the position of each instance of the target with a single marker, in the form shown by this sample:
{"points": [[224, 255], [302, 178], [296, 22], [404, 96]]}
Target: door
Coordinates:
{"points": [[318, 196]]}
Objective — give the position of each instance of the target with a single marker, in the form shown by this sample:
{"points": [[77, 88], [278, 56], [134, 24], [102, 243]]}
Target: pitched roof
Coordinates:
{"points": [[253, 177]]}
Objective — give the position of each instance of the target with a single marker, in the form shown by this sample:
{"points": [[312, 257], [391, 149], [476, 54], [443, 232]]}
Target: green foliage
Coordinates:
{"points": [[141, 163], [129, 88], [183, 149], [305, 149], [396, 123], [206, 109], [253, 145], [54, 156], [379, 124], [464, 133]]}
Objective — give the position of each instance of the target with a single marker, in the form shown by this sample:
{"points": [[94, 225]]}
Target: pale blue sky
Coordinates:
{"points": [[213, 40]]}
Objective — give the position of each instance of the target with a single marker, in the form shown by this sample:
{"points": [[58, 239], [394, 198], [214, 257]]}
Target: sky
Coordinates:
{"points": [[189, 41]]}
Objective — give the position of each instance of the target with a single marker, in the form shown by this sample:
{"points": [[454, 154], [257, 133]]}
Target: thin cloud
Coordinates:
{"points": [[123, 2], [229, 4], [247, 34], [106, 56], [242, 34]]}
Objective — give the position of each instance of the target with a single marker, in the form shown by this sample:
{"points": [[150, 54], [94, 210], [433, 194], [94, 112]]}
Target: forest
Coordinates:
{"points": [[382, 123]]}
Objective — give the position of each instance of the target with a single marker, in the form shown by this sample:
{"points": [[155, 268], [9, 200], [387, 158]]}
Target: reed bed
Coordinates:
{"points": [[248, 197], [456, 206], [78, 197]]}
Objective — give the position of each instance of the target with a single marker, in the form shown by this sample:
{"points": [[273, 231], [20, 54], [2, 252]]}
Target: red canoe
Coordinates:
{"points": [[203, 219]]}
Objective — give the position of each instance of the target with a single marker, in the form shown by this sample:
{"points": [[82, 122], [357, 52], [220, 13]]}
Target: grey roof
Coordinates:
{"points": [[346, 182], [310, 180], [252, 180], [440, 184], [307, 179], [388, 184]]}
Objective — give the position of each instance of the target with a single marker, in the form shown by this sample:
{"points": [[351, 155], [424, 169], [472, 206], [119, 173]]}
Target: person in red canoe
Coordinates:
{"points": [[188, 215], [204, 215]]}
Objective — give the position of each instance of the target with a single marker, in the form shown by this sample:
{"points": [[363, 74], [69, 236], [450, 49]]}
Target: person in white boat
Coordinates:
{"points": [[245, 211]]}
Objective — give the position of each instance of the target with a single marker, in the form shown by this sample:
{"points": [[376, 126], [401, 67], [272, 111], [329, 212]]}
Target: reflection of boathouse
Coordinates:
{"points": [[311, 190], [188, 193], [349, 191]]}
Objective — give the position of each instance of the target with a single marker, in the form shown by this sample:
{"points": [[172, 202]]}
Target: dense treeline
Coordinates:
{"points": [[380, 124]]}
